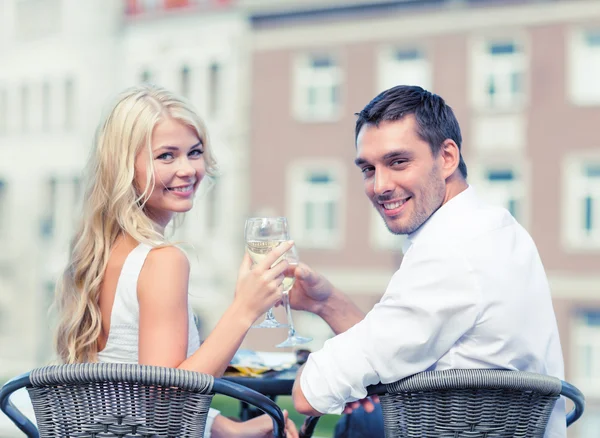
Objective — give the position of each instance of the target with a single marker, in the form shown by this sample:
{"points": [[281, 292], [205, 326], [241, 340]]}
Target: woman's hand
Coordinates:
{"points": [[260, 286], [262, 427]]}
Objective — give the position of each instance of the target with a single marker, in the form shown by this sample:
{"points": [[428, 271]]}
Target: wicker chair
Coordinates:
{"points": [[470, 404], [123, 400]]}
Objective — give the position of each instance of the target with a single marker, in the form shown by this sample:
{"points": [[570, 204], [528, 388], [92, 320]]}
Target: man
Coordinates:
{"points": [[471, 291]]}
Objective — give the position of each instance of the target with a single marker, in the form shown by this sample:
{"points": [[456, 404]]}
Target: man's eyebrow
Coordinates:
{"points": [[392, 154], [398, 153], [360, 161]]}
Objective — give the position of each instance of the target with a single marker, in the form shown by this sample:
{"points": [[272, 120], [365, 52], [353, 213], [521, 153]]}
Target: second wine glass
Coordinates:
{"points": [[293, 338]]}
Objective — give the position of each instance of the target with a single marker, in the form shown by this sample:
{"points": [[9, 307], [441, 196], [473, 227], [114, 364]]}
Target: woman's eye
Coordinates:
{"points": [[165, 156], [196, 152]]}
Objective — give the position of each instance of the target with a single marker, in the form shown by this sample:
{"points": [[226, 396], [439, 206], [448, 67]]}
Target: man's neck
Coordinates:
{"points": [[455, 185]]}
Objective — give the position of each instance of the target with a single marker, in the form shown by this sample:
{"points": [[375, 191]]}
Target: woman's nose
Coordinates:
{"points": [[186, 168]]}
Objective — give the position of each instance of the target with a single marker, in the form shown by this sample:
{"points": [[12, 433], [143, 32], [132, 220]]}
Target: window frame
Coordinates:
{"points": [[578, 57], [480, 66], [575, 239], [386, 61], [298, 196], [301, 84]]}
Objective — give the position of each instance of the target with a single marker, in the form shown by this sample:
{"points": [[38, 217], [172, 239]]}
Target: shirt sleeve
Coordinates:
{"points": [[430, 302], [212, 414]]}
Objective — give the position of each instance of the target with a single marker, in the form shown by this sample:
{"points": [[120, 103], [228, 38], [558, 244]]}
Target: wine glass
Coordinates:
{"points": [[262, 234], [292, 338]]}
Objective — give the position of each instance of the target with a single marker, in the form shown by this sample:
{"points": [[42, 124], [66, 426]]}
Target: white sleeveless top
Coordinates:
{"points": [[122, 344]]}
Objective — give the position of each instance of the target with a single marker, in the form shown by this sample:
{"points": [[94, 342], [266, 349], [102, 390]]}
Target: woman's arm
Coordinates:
{"points": [[162, 296]]}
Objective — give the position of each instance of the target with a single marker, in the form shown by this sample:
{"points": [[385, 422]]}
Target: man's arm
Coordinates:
{"points": [[314, 293], [300, 403], [340, 313], [431, 302]]}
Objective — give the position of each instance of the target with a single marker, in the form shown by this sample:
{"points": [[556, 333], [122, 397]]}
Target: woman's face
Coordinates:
{"points": [[177, 156]]}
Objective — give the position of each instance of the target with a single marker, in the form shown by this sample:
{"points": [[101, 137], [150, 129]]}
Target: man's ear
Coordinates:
{"points": [[450, 157]]}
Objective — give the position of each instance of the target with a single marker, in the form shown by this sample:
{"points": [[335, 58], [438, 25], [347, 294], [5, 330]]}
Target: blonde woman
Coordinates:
{"points": [[124, 294]]}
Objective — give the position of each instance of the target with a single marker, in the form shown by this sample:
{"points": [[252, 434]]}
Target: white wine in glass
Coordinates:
{"points": [[262, 234], [258, 250]]}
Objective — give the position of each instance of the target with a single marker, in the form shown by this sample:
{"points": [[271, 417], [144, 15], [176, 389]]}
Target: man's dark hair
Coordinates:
{"points": [[435, 120]]}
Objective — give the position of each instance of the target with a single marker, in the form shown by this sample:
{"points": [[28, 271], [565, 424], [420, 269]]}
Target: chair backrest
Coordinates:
{"points": [[469, 403], [126, 400]]}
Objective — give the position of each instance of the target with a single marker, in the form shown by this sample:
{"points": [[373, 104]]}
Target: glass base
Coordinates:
{"points": [[270, 323], [294, 340]]}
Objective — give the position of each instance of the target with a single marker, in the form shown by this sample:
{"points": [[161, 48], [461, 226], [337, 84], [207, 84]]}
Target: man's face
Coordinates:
{"points": [[402, 178]]}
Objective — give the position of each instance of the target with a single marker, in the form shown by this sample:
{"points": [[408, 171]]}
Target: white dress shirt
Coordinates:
{"points": [[471, 292]]}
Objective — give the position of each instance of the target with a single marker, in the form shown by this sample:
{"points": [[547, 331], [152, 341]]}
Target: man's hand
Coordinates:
{"points": [[367, 403], [314, 293], [311, 290]]}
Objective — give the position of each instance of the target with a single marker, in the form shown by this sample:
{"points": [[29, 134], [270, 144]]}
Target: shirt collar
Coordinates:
{"points": [[450, 211]]}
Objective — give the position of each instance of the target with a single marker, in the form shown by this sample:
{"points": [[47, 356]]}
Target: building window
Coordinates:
{"points": [[4, 210], [69, 104], [49, 218], [214, 88], [586, 344], [584, 67], [316, 197], [582, 200], [503, 187], [78, 190], [499, 74], [403, 66], [3, 112], [25, 107], [317, 85], [151, 5], [62, 199], [185, 81], [145, 76], [46, 110], [381, 236]]}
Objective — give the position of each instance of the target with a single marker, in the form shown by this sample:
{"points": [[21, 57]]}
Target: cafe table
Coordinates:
{"points": [[273, 383]]}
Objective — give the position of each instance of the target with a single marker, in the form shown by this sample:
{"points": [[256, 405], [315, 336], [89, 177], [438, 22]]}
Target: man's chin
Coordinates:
{"points": [[394, 227]]}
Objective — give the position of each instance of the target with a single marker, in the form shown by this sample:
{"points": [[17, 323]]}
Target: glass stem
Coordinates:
{"points": [[288, 311], [270, 316]]}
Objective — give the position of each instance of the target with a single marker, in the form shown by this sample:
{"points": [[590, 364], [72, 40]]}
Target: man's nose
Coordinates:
{"points": [[382, 183]]}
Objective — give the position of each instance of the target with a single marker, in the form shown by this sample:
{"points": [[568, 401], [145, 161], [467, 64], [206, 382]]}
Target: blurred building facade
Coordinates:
{"points": [[51, 87], [63, 62], [278, 83], [524, 80]]}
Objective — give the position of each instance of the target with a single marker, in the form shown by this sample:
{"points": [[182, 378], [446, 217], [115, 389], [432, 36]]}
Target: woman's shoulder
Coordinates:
{"points": [[166, 266], [167, 257]]}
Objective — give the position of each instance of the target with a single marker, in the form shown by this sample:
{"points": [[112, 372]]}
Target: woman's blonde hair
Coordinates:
{"points": [[112, 205]]}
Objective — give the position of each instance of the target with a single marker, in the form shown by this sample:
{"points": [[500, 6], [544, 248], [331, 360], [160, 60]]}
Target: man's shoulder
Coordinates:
{"points": [[454, 233]]}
